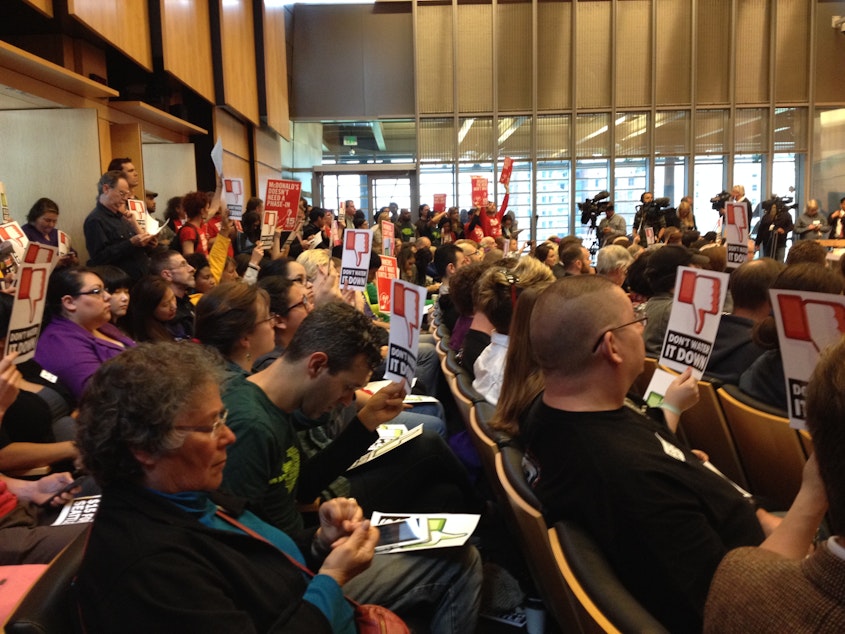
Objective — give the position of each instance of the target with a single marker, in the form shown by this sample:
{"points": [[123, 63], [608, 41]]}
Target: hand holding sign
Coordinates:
{"points": [[703, 292]]}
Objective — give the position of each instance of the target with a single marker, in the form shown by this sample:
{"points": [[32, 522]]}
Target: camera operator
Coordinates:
{"points": [[611, 226], [651, 213], [774, 226]]}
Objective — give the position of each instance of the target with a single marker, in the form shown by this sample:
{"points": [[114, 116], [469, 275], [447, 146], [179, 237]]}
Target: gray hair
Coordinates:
{"points": [[612, 257], [131, 402]]}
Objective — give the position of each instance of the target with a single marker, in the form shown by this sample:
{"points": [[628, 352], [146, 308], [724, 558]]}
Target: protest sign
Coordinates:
{"points": [[807, 323], [736, 232], [30, 295], [407, 305], [693, 324], [355, 263], [387, 272]]}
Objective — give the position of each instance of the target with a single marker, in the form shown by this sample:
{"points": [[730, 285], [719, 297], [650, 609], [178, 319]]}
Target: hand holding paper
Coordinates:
{"points": [[383, 406]]}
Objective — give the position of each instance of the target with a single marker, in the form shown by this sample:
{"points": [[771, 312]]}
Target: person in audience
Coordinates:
{"points": [[22, 539], [133, 179], [807, 251], [612, 261], [117, 285], [611, 226], [406, 262], [661, 270], [772, 232], [574, 260], [522, 381], [378, 241], [686, 219], [37, 429], [734, 350], [235, 319], [174, 269], [717, 258], [786, 584], [837, 221], [332, 355], [498, 290], [470, 249], [448, 259], [40, 227], [193, 235], [662, 518], [152, 312], [78, 336], [203, 277], [546, 252], [174, 218], [167, 552], [110, 235], [811, 225], [322, 274], [461, 286], [764, 379]]}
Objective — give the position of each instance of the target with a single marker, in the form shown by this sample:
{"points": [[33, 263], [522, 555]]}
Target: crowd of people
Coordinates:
{"points": [[213, 383]]}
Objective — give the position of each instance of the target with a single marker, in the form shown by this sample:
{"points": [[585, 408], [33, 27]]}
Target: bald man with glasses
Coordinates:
{"points": [[662, 518]]}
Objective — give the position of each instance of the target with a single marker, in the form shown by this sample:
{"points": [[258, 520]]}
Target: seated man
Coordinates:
{"points": [[331, 356], [662, 518], [777, 587]]}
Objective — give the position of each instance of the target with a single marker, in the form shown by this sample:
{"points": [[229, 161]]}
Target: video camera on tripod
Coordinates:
{"points": [[592, 207], [781, 203]]}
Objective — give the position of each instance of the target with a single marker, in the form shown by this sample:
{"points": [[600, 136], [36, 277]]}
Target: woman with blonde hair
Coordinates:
{"points": [[497, 294]]}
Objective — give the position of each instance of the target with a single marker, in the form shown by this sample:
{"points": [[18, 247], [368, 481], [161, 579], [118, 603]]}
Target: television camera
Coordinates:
{"points": [[591, 208]]}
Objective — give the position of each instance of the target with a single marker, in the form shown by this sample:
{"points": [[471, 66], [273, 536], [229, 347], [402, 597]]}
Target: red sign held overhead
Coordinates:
{"points": [[439, 203], [479, 191], [283, 197], [507, 170]]}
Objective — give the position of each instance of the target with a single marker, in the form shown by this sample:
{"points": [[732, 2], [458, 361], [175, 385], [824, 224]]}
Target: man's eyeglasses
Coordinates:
{"points": [[213, 429], [641, 320]]}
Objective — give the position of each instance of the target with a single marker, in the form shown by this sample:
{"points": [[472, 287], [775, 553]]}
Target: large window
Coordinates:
{"points": [[591, 177], [519, 203], [708, 181], [553, 195], [437, 179], [631, 180], [338, 188]]}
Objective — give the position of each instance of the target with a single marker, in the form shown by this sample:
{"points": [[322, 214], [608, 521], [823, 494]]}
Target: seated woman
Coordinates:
{"points": [[203, 277], [40, 227], [161, 556], [497, 292], [117, 283], [152, 311], [78, 336]]}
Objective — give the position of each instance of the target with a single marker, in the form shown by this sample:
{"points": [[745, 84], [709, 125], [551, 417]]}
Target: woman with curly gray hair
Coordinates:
{"points": [[162, 556]]}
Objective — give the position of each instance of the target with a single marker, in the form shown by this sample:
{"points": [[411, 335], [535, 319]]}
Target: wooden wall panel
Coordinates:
{"points": [[45, 6], [188, 58], [237, 39], [124, 23], [126, 141], [235, 138], [68, 171], [268, 158], [276, 68]]}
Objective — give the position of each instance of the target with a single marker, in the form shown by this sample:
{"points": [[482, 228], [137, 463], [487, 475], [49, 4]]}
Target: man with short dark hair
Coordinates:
{"points": [[111, 237], [574, 260], [734, 350], [662, 518], [332, 355], [125, 165], [447, 259], [172, 266]]}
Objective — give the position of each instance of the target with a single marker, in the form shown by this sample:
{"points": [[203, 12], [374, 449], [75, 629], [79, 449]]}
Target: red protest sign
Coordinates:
{"points": [[283, 198], [387, 272], [507, 170], [439, 203], [479, 191]]}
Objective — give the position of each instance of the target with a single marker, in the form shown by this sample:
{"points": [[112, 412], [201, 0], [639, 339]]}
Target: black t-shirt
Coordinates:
{"points": [[663, 520]]}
